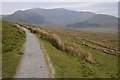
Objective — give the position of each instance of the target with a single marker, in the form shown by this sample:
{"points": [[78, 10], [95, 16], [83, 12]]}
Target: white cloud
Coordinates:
{"points": [[96, 7], [99, 8], [76, 5]]}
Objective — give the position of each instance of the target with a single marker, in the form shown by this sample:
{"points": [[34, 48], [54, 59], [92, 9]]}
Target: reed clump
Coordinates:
{"points": [[57, 42]]}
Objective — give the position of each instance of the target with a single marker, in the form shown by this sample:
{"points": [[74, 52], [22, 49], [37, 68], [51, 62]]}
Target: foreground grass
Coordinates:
{"points": [[12, 42], [0, 49], [67, 66], [62, 62]]}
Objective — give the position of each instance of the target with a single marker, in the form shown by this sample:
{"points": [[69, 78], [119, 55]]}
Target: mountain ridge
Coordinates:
{"points": [[62, 17]]}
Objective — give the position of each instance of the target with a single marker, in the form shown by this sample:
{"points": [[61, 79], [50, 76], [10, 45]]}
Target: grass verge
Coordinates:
{"points": [[69, 66], [0, 49], [12, 42]]}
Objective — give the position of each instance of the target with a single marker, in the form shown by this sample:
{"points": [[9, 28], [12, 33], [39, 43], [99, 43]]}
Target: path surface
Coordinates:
{"points": [[32, 64]]}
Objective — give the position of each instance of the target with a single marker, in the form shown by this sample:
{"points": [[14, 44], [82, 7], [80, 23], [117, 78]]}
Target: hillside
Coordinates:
{"points": [[74, 53], [79, 53], [63, 17], [57, 16], [0, 49], [12, 41], [99, 20]]}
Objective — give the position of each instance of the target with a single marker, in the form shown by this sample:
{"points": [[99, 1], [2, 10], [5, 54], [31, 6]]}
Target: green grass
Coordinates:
{"points": [[67, 66], [0, 48], [106, 38], [61, 62], [12, 42]]}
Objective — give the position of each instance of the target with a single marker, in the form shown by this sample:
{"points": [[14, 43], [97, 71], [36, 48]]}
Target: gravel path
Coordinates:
{"points": [[32, 64]]}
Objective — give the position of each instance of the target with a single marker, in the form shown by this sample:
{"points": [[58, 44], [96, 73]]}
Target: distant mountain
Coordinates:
{"points": [[58, 16], [84, 24], [99, 20], [62, 17], [0, 17], [26, 17]]}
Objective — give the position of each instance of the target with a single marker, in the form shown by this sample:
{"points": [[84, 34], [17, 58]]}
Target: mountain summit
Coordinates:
{"points": [[62, 17]]}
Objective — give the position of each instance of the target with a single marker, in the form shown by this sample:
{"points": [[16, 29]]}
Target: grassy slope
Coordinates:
{"points": [[106, 38], [12, 42], [68, 66], [0, 48]]}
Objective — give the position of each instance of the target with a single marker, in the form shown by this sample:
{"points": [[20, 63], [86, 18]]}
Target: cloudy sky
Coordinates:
{"points": [[61, 0], [110, 7]]}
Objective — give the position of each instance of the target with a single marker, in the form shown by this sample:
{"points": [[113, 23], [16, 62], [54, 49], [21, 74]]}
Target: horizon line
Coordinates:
{"points": [[58, 8]]}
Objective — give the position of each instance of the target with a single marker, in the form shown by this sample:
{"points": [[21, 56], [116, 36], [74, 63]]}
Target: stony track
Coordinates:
{"points": [[33, 63]]}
